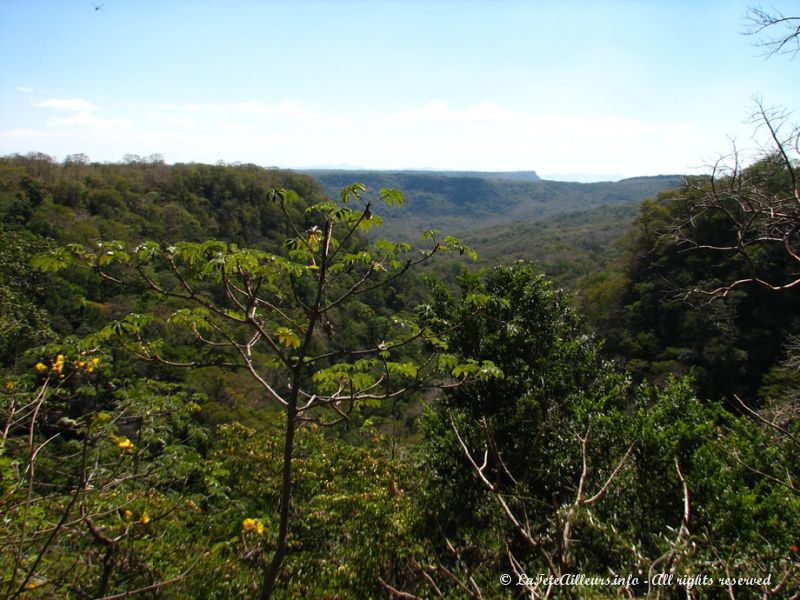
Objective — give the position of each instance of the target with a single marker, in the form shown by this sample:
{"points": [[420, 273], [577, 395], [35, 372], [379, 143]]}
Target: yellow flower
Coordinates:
{"points": [[253, 525], [41, 367], [145, 519], [125, 444], [128, 515], [11, 385]]}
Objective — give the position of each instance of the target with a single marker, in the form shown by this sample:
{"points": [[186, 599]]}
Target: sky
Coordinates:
{"points": [[573, 89]]}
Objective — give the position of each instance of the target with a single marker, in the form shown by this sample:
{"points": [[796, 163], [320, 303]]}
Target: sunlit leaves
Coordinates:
{"points": [[352, 192], [484, 370], [52, 261], [347, 377], [284, 196], [391, 249], [332, 210], [146, 251], [132, 324], [392, 197], [195, 317], [111, 252], [406, 369], [453, 244], [287, 338]]}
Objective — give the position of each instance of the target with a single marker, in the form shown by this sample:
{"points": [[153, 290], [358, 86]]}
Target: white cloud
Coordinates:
{"points": [[435, 134], [87, 119], [493, 137], [25, 135], [67, 104], [287, 110], [24, 89]]}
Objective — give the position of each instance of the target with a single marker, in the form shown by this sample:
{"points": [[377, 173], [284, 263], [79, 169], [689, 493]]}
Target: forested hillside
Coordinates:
{"points": [[215, 385], [458, 202], [226, 380], [569, 247]]}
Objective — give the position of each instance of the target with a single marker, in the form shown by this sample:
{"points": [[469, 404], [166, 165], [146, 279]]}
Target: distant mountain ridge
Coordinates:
{"points": [[459, 201], [506, 175]]}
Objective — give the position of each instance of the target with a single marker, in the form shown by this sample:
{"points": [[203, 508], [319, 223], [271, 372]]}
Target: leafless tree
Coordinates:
{"points": [[758, 203], [778, 34]]}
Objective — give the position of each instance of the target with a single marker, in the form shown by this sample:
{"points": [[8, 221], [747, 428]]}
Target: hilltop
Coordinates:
{"points": [[460, 201]]}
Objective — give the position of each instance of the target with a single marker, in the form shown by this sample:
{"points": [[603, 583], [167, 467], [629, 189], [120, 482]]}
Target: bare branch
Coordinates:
{"points": [[786, 36]]}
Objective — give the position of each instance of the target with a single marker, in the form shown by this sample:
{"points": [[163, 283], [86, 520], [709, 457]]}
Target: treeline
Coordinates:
{"points": [[656, 307], [458, 203], [218, 381]]}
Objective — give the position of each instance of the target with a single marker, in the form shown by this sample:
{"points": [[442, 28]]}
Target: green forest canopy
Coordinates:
{"points": [[546, 451]]}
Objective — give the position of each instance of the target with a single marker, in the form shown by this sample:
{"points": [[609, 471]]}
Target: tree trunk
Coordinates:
{"points": [[272, 570]]}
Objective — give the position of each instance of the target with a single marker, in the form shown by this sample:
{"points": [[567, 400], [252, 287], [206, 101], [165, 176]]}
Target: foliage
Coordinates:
{"points": [[459, 202], [94, 476], [563, 466], [646, 317], [274, 316], [122, 476]]}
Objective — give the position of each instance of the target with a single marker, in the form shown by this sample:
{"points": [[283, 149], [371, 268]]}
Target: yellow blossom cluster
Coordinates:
{"points": [[253, 525], [123, 443], [88, 365], [57, 366], [144, 519]]}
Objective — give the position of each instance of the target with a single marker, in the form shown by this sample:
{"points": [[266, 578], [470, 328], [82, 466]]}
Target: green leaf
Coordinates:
{"points": [[287, 337], [352, 192], [55, 260], [283, 196], [392, 197]]}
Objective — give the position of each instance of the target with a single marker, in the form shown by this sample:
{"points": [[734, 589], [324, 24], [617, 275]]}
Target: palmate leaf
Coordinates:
{"points": [[287, 338], [392, 197], [370, 222], [406, 369], [132, 324], [53, 261], [454, 244], [197, 317], [352, 192], [484, 370], [147, 251], [111, 252], [283, 195]]}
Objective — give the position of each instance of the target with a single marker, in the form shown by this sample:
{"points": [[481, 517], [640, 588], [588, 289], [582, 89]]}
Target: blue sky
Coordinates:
{"points": [[596, 88]]}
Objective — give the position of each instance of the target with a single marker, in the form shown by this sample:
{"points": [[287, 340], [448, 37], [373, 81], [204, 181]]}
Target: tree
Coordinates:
{"points": [[750, 214], [279, 315], [523, 465], [787, 41], [92, 475], [564, 466]]}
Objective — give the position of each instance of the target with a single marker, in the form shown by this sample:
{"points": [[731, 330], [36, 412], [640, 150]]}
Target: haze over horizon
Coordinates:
{"points": [[582, 91]]}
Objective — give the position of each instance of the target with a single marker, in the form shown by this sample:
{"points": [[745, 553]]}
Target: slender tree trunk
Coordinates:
{"points": [[272, 570]]}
